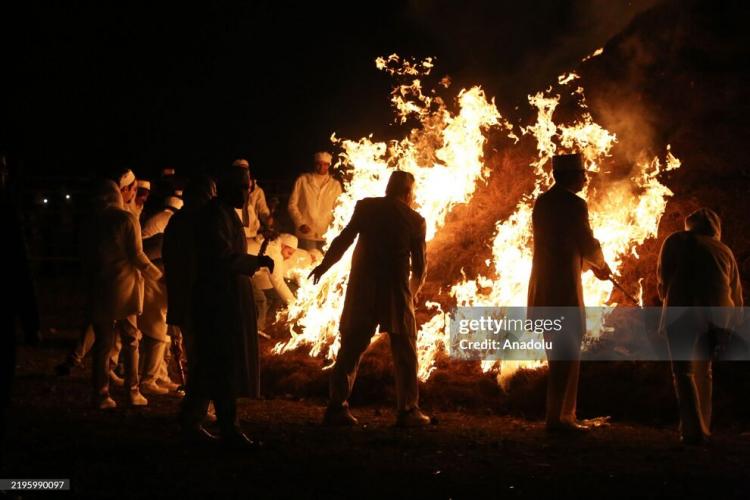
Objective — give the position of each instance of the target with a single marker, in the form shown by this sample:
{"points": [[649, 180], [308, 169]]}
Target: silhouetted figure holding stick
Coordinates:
{"points": [[697, 272], [380, 292], [564, 247]]}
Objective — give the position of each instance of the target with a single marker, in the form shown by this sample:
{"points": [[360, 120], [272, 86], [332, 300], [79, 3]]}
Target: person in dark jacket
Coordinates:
{"points": [[387, 271], [699, 284], [178, 256], [223, 315]]}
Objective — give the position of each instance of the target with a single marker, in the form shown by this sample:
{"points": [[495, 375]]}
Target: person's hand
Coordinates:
{"points": [[316, 274], [602, 273], [304, 229], [266, 261]]}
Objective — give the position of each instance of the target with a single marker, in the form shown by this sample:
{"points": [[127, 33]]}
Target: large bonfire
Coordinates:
{"points": [[445, 152]]}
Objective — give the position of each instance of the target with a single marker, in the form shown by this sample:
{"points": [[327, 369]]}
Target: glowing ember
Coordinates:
{"points": [[445, 156]]}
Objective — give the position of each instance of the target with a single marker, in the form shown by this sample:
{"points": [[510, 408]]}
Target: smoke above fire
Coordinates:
{"points": [[445, 151]]}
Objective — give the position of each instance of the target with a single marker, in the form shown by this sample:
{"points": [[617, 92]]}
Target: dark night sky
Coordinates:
{"points": [[95, 86]]}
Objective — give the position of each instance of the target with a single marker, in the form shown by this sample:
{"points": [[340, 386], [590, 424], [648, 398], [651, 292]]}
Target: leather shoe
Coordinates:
{"points": [[238, 440], [412, 418], [567, 427], [199, 435], [339, 416]]}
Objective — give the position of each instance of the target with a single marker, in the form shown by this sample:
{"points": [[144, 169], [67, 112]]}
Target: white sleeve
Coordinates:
{"points": [[277, 279], [155, 225], [261, 207], [293, 206]]}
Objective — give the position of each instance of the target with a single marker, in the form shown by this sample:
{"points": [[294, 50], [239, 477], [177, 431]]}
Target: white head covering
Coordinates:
{"points": [[323, 156], [173, 202], [289, 240], [127, 179], [143, 184]]}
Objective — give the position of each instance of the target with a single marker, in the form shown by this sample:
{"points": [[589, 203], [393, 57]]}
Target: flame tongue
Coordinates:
{"points": [[445, 154]]}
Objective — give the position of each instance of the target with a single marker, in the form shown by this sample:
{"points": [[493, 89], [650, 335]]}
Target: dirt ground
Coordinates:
{"points": [[474, 452]]}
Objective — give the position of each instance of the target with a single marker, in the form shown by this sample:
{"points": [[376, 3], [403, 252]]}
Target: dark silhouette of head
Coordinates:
{"points": [[569, 172], [199, 191], [704, 221], [233, 185], [401, 186]]}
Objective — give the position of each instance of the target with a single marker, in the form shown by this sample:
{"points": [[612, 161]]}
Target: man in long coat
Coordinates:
{"points": [[699, 284], [381, 293], [564, 247], [226, 337]]}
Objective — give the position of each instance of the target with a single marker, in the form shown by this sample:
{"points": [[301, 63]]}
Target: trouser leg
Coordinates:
{"points": [[152, 354], [261, 304], [194, 407], [570, 396], [83, 346], [130, 336], [353, 344], [564, 362], [226, 412], [693, 384], [704, 384], [405, 366], [562, 391], [115, 356], [103, 342], [687, 399], [162, 373], [557, 384], [692, 375], [197, 398]]}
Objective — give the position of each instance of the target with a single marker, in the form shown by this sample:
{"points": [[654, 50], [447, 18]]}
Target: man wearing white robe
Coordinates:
{"points": [[312, 202], [114, 265]]}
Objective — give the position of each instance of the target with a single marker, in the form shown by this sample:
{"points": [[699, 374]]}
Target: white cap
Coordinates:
{"points": [[173, 202], [289, 240], [323, 156], [143, 184], [126, 179]]}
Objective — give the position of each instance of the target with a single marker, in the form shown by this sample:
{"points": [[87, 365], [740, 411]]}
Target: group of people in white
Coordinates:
{"points": [[129, 325]]}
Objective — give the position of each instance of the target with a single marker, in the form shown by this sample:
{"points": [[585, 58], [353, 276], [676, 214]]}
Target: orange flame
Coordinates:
{"points": [[445, 156]]}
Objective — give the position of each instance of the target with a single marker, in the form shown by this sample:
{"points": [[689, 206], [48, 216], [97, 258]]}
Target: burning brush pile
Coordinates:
{"points": [[477, 178]]}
